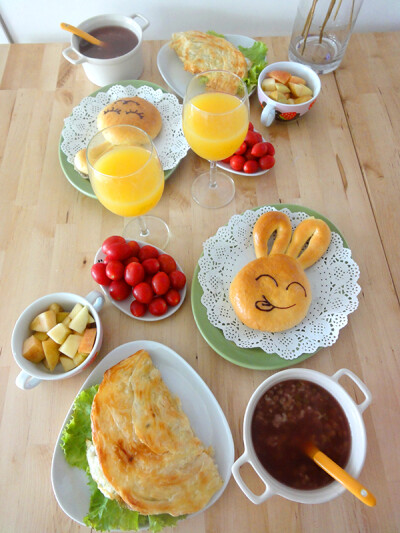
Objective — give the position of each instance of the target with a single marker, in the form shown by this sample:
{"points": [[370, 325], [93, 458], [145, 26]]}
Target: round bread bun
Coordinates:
{"points": [[271, 293], [80, 163], [134, 111]]}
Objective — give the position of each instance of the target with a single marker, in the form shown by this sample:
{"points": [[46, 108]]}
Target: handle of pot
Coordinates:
{"points": [[145, 24], [96, 299], [361, 385], [257, 499], [25, 381], [268, 114], [73, 60]]}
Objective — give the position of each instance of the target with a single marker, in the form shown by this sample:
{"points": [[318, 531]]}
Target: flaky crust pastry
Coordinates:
{"points": [[145, 445]]}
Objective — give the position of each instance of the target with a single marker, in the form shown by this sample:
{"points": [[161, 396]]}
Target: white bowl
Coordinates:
{"points": [[353, 413], [32, 373]]}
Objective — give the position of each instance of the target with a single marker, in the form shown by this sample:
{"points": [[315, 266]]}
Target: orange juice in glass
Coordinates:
{"points": [[127, 178], [215, 123]]}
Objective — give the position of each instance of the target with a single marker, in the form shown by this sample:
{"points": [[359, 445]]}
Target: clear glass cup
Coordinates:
{"points": [[215, 123], [321, 32], [127, 178]]}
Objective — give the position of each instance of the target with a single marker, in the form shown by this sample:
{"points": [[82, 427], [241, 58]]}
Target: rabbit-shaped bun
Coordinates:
{"points": [[272, 293]]}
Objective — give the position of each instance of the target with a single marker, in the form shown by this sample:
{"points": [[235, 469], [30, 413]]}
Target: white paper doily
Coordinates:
{"points": [[333, 281], [170, 143]]}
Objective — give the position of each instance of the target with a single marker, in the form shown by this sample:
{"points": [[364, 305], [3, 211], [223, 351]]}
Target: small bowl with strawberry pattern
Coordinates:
{"points": [[286, 91], [254, 157]]}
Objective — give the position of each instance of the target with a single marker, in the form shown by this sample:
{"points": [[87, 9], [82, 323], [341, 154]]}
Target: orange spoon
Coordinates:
{"points": [[339, 474], [82, 34]]}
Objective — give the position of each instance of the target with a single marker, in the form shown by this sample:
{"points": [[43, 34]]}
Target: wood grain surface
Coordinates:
{"points": [[341, 159]]}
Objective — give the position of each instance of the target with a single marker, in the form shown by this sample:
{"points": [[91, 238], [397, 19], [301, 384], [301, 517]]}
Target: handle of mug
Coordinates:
{"points": [[361, 385], [96, 299], [268, 114], [145, 24], [73, 60], [257, 499], [25, 381]]}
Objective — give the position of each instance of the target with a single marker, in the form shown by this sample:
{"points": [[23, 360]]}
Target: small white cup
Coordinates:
{"points": [[273, 110], [105, 71], [32, 373], [353, 413]]}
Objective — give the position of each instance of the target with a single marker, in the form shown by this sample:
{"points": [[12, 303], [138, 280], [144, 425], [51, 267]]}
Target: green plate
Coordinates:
{"points": [[254, 358], [83, 185]]}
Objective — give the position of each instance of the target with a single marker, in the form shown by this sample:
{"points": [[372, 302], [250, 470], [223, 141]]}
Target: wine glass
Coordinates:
{"points": [[215, 123], [127, 178]]}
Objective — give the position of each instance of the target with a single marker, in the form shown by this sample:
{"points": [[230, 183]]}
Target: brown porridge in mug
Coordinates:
{"points": [[287, 416]]}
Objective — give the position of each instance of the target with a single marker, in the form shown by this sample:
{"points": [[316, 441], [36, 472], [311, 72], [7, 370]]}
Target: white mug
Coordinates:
{"points": [[273, 110], [105, 71], [353, 413], [32, 373]]}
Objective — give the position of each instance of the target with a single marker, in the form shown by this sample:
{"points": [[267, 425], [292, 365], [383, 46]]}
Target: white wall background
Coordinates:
{"points": [[39, 20]]}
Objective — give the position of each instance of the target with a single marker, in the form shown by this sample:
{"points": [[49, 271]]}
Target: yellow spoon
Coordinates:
{"points": [[339, 474], [82, 34]]}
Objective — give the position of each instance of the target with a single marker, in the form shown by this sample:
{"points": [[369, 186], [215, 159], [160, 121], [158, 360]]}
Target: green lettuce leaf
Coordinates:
{"points": [[256, 54], [103, 514]]}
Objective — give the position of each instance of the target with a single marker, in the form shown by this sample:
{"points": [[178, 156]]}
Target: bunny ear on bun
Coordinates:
{"points": [[316, 234], [266, 225]]}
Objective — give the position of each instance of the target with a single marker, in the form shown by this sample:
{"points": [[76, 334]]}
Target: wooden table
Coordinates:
{"points": [[341, 160]]}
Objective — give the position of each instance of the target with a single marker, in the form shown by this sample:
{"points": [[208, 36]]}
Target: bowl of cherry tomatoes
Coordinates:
{"points": [[141, 280], [254, 157]]}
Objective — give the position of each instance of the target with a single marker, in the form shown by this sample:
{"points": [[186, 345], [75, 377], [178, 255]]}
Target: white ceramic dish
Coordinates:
{"points": [[205, 414], [171, 67], [124, 305], [228, 168]]}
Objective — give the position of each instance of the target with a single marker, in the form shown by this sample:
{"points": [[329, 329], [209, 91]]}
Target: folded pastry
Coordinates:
{"points": [[200, 52], [147, 452]]}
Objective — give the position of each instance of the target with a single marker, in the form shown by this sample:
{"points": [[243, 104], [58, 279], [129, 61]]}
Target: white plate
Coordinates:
{"points": [[171, 67], [124, 305], [227, 167], [205, 414]]}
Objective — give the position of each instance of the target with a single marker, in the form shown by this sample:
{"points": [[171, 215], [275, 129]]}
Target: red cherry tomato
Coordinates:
{"points": [[118, 251], [226, 160], [250, 167], [237, 162], [251, 138], [167, 263], [147, 251], [248, 155], [134, 274], [111, 240], [134, 247], [242, 148], [133, 259], [258, 136], [99, 275], [271, 149], [151, 265], [160, 283], [178, 279], [143, 293], [137, 308], [172, 297], [115, 270], [251, 127], [119, 290], [158, 306], [259, 149], [267, 162]]}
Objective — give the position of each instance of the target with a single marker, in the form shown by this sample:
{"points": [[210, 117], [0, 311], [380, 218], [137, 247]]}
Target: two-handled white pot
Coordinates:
{"points": [[353, 413], [34, 373], [105, 71]]}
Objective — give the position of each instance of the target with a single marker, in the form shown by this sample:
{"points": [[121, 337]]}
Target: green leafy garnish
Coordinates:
{"points": [[256, 55], [104, 514]]}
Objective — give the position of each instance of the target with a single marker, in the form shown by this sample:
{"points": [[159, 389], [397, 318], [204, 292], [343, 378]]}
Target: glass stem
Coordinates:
{"points": [[213, 167], [144, 230]]}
